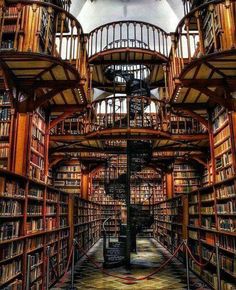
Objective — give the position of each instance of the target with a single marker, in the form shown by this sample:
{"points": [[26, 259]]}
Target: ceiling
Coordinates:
{"points": [[93, 13]]}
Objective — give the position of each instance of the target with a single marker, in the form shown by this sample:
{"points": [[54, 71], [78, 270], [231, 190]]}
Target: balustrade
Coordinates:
{"points": [[207, 29], [128, 34]]}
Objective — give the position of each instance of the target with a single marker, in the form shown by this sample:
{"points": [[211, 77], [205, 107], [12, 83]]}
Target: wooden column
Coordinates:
{"points": [[211, 141], [169, 184], [84, 184], [185, 217], [22, 145]]}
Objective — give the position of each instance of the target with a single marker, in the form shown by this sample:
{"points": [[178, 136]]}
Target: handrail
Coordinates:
{"points": [[121, 112], [43, 28], [128, 34], [201, 32]]}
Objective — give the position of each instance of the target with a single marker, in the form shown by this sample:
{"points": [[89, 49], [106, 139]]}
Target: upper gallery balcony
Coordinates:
{"points": [[203, 55], [42, 48]]}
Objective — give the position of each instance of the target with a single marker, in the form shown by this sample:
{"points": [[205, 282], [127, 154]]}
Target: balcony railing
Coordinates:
{"points": [[117, 113], [207, 29], [128, 34], [39, 27]]}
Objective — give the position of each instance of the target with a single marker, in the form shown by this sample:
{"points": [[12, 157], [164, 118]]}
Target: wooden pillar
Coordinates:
{"points": [[84, 184], [185, 217], [22, 146], [169, 184], [211, 141]]}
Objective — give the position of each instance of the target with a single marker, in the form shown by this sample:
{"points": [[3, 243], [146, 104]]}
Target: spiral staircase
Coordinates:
{"points": [[117, 187]]}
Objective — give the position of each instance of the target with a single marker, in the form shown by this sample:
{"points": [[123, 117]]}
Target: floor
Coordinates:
{"points": [[149, 255]]}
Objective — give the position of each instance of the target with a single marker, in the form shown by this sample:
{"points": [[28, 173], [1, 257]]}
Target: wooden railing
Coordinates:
{"points": [[116, 113], [128, 34], [207, 29], [39, 27]]}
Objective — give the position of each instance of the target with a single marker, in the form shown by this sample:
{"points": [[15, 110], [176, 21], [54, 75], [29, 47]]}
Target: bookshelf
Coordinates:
{"points": [[9, 28], [207, 176], [168, 223], [212, 220], [6, 126], [87, 223], [37, 146], [223, 147], [33, 216], [186, 178], [68, 177]]}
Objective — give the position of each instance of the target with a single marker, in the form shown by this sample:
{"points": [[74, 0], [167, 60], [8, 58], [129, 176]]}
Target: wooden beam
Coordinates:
{"points": [[191, 106], [214, 97], [47, 83], [67, 108]]}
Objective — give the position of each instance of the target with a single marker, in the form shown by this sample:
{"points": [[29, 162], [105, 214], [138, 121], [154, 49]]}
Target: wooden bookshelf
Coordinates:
{"points": [[186, 177], [223, 158], [212, 220], [168, 223], [6, 128], [68, 178], [87, 223], [37, 146], [33, 216]]}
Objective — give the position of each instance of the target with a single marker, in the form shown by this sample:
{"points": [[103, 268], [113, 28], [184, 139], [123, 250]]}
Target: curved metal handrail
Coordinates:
{"points": [[201, 32], [105, 37], [51, 31]]}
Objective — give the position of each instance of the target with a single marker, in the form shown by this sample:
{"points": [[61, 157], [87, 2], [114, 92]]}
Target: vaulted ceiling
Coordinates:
{"points": [[93, 13]]}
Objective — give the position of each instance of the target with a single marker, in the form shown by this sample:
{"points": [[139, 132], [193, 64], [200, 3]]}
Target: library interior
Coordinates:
{"points": [[117, 144]]}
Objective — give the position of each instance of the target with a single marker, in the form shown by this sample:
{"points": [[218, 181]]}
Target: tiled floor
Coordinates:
{"points": [[149, 255]]}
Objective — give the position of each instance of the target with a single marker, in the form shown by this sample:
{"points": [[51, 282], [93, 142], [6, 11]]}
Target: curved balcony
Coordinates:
{"points": [[203, 53], [42, 46], [121, 118], [131, 35], [127, 42]]}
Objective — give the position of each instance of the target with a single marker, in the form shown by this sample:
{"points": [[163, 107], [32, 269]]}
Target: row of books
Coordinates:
{"points": [[224, 191], [9, 230], [227, 224], [227, 263], [221, 136], [4, 99], [68, 176], [36, 192], [9, 270], [34, 225], [220, 121], [226, 145], [5, 114], [34, 209], [4, 150], [223, 161], [227, 208], [207, 196], [10, 208], [34, 242], [36, 172], [4, 129], [11, 249], [224, 174]]}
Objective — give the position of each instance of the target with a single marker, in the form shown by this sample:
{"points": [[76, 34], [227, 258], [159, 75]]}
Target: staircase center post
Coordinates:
{"points": [[128, 228]]}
